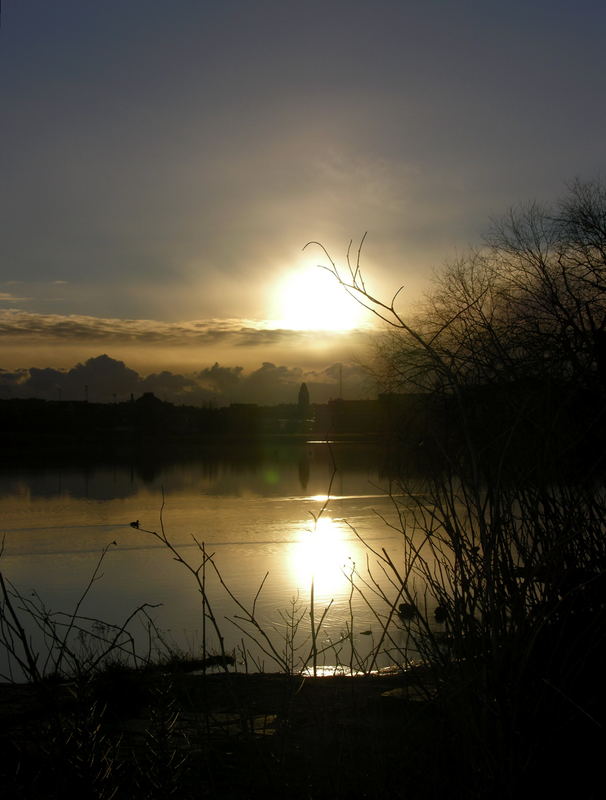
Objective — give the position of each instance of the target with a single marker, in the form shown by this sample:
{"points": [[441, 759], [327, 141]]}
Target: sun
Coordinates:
{"points": [[309, 298]]}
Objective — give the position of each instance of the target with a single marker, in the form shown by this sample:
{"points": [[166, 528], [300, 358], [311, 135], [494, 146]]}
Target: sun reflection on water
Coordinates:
{"points": [[323, 553]]}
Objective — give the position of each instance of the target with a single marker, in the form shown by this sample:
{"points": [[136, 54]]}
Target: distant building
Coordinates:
{"points": [[303, 402]]}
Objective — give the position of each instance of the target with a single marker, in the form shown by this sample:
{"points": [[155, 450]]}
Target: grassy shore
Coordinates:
{"points": [[157, 733]]}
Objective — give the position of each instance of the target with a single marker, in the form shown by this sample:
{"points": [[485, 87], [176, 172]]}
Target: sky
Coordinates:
{"points": [[164, 164]]}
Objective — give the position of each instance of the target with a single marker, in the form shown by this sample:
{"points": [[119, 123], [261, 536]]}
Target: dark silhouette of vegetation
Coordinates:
{"points": [[508, 539], [512, 338]]}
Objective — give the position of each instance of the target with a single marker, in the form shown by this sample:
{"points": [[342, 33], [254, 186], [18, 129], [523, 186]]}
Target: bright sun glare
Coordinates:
{"points": [[310, 299], [322, 554]]}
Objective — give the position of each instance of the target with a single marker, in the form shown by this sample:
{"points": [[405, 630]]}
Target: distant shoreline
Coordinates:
{"points": [[48, 447]]}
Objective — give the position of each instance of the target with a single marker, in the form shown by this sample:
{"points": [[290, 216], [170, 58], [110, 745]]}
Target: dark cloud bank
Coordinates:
{"points": [[105, 379]]}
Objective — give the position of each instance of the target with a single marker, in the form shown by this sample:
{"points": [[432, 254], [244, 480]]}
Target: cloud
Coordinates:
{"points": [[30, 326], [6, 297], [277, 382], [343, 379], [101, 379], [223, 379], [267, 384], [10, 382], [105, 379], [179, 389]]}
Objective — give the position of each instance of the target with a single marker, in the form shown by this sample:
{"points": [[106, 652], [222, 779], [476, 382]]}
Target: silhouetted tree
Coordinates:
{"points": [[531, 304]]}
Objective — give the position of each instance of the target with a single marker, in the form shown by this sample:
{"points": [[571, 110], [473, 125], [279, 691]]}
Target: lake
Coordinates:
{"points": [[254, 513]]}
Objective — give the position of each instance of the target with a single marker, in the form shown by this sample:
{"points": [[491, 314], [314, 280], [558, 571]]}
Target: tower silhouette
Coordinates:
{"points": [[303, 401]]}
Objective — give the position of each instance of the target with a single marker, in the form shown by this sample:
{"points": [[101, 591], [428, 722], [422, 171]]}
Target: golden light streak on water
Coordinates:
{"points": [[323, 554]]}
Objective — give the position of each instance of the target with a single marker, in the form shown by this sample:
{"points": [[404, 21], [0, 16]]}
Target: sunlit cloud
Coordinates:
{"points": [[239, 333], [7, 297], [323, 359]]}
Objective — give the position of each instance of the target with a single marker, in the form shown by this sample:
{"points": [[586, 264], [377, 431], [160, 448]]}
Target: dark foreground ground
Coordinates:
{"points": [[158, 735], [213, 736]]}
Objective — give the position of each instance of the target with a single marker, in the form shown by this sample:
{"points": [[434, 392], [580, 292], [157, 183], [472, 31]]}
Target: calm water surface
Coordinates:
{"points": [[255, 514]]}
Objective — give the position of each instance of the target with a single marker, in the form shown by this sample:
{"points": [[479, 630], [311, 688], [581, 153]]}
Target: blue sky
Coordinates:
{"points": [[166, 162]]}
